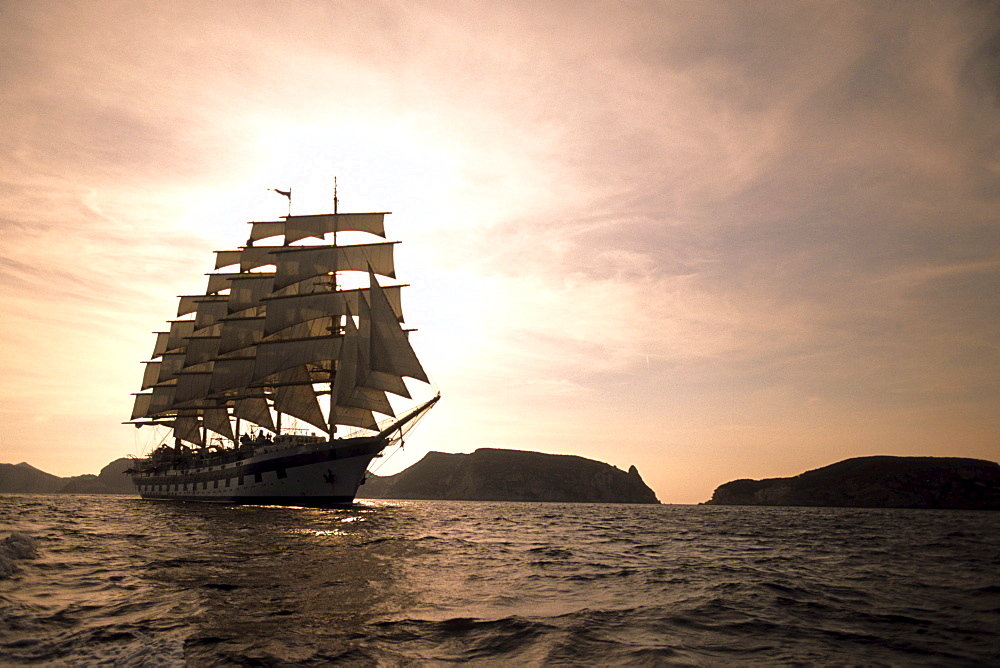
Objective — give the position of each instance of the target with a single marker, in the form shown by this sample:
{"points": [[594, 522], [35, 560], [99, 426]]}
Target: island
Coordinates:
{"points": [[876, 482], [492, 474], [24, 478]]}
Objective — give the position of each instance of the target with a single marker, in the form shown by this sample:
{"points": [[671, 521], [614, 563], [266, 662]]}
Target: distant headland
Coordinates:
{"points": [[491, 474], [876, 482], [24, 478]]}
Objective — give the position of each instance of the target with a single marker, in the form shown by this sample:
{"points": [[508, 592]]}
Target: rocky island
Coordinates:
{"points": [[491, 474], [876, 482], [24, 478]]}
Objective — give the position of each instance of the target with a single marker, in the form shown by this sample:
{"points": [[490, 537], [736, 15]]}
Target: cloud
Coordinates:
{"points": [[640, 214]]}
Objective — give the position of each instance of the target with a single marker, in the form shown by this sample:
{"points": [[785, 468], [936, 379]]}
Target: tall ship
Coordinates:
{"points": [[286, 379]]}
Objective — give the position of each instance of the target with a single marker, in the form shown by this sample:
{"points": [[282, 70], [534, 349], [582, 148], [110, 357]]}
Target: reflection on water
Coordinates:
{"points": [[134, 582]]}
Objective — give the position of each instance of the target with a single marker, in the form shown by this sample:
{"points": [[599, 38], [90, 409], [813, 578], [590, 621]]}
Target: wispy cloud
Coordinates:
{"points": [[667, 232]]}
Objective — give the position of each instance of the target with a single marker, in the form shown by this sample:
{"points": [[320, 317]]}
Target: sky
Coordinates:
{"points": [[714, 240]]}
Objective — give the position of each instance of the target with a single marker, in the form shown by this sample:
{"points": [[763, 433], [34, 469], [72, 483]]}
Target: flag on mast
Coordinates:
{"points": [[286, 193]]}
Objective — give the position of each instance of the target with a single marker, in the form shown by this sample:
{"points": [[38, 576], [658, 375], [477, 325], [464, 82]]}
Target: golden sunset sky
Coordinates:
{"points": [[715, 240]]}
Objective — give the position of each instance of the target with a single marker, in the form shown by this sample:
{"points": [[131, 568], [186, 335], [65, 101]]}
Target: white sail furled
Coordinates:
{"points": [[302, 227], [248, 290], [151, 376], [217, 419], [187, 428], [295, 396], [300, 263], [255, 410], [390, 348], [265, 230]]}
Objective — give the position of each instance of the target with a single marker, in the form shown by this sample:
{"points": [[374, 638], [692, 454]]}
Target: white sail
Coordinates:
{"points": [[275, 356], [171, 363], [286, 311], [240, 332], [265, 230], [151, 376], [218, 282], [302, 227], [217, 419], [140, 408], [231, 374], [249, 257], [374, 379], [187, 428], [390, 348], [191, 387], [248, 290], [210, 310], [180, 330], [387, 382], [354, 417], [162, 398], [188, 304], [160, 347], [201, 349], [285, 336], [255, 410], [299, 399], [304, 262]]}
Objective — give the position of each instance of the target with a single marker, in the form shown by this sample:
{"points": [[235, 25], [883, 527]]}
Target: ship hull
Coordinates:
{"points": [[312, 474]]}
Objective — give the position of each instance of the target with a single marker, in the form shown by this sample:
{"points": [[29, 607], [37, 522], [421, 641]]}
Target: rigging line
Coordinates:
{"points": [[382, 462]]}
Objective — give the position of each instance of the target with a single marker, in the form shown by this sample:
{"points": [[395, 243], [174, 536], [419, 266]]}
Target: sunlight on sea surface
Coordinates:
{"points": [[132, 582]]}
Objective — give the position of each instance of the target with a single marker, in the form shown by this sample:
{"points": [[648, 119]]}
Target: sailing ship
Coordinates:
{"points": [[292, 336]]}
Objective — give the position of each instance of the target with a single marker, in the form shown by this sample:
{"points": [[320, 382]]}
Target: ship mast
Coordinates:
{"points": [[335, 330]]}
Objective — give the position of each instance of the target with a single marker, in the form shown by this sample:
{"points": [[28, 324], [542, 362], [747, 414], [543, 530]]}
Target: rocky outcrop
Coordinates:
{"points": [[13, 548], [876, 482], [490, 474], [23, 478]]}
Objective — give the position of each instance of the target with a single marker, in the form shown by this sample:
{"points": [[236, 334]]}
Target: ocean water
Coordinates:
{"points": [[118, 580]]}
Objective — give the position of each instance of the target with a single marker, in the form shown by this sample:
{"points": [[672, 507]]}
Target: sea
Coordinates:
{"points": [[116, 580]]}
